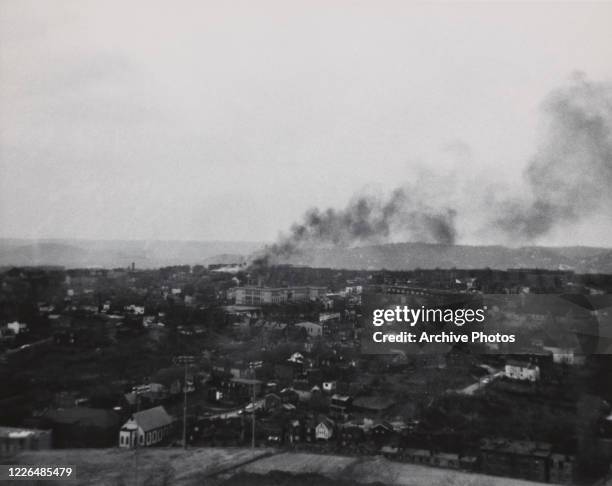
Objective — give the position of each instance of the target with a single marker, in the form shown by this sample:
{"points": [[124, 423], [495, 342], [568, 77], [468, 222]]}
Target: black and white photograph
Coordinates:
{"points": [[305, 243]]}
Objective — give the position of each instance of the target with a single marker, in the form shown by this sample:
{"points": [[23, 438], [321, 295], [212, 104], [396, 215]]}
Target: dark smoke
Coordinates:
{"points": [[368, 220], [568, 178], [570, 175]]}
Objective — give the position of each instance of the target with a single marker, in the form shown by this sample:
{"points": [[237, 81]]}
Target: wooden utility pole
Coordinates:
{"points": [[185, 361], [253, 410], [253, 420], [138, 390]]}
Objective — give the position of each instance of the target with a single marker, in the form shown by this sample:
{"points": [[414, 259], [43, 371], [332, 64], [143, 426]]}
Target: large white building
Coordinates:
{"points": [[312, 328], [521, 370], [254, 295], [17, 327]]}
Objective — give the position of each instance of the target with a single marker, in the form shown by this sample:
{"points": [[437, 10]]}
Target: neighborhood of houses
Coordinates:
{"points": [[280, 365]]}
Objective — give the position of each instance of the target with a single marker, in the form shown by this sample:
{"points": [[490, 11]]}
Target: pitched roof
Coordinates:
{"points": [[329, 423], [152, 418], [84, 416], [383, 423], [246, 381]]}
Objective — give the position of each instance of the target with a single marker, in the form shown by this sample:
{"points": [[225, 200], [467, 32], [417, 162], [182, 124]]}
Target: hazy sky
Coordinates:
{"points": [[227, 120]]}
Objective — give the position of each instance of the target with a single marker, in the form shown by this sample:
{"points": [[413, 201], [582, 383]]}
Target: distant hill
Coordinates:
{"points": [[395, 256], [407, 256], [110, 254]]}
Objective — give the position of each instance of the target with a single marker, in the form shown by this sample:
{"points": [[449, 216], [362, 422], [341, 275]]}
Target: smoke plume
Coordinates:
{"points": [[369, 220], [568, 178], [570, 175]]}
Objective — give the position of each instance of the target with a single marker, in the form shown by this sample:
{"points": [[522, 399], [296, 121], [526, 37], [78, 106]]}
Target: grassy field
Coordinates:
{"points": [[229, 466], [375, 469], [156, 466]]}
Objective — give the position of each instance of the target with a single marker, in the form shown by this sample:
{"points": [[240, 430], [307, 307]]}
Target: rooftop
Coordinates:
{"points": [[19, 433], [373, 403], [519, 447], [246, 381], [152, 418]]}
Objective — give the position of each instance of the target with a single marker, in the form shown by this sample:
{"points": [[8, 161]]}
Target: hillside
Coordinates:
{"points": [[395, 256], [406, 256], [110, 254]]}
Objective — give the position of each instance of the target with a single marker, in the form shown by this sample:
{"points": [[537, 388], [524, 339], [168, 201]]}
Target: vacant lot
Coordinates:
{"points": [[156, 467], [214, 466], [375, 469]]}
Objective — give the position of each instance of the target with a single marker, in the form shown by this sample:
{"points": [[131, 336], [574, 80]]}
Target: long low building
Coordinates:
{"points": [[254, 295], [14, 439], [530, 460]]}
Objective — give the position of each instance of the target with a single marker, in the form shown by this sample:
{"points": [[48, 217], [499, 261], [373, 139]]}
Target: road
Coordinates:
{"points": [[236, 412], [481, 383]]}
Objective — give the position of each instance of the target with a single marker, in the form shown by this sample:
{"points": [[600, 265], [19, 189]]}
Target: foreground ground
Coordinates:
{"points": [[240, 466]]}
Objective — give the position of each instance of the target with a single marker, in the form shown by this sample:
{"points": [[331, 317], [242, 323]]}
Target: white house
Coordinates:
{"points": [[522, 370], [17, 327], [562, 355], [137, 310], [324, 429], [312, 328], [148, 427]]}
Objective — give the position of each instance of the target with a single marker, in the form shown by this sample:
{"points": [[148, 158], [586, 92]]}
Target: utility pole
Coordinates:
{"points": [[185, 361], [253, 411], [138, 390], [253, 421]]}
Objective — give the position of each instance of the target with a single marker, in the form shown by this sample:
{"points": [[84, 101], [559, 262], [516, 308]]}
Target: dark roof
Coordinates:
{"points": [[517, 447], [329, 423], [246, 381], [373, 403], [153, 418], [384, 424], [167, 376], [90, 417], [518, 362]]}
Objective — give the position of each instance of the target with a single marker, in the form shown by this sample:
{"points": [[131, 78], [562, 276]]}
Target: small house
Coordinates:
{"points": [[146, 428]]}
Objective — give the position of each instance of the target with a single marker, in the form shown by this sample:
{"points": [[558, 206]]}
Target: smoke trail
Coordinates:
{"points": [[570, 175], [369, 220], [568, 178]]}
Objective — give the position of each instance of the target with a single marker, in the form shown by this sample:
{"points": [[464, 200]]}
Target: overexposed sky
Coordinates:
{"points": [[227, 120]]}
